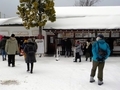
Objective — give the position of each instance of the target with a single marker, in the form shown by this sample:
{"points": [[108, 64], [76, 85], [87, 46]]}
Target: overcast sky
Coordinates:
{"points": [[8, 8]]}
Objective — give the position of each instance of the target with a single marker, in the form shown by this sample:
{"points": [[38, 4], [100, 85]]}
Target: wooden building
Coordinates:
{"points": [[76, 23]]}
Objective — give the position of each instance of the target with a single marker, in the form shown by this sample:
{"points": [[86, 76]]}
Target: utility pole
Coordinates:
{"points": [[0, 14], [4, 15]]}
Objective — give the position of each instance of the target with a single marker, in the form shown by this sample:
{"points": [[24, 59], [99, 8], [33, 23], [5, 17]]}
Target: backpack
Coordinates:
{"points": [[102, 53], [30, 49]]}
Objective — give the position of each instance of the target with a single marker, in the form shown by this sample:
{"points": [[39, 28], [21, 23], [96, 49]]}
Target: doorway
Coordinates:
{"points": [[50, 44]]}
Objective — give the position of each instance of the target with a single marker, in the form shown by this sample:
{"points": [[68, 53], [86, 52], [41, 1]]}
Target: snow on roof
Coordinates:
{"points": [[88, 22], [3, 20], [105, 17]]}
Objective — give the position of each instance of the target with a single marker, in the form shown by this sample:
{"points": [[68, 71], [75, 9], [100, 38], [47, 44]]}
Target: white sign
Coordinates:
{"points": [[78, 35], [6, 33], [35, 32], [40, 43], [21, 33]]}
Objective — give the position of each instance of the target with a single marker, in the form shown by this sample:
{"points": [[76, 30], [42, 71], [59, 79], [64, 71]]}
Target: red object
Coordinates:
{"points": [[1, 36], [40, 36]]}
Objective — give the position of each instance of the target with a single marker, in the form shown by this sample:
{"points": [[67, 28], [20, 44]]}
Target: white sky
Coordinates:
{"points": [[9, 7], [64, 74]]}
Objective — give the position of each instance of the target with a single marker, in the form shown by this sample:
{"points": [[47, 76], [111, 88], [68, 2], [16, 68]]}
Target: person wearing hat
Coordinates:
{"points": [[11, 48], [30, 50], [99, 43]]}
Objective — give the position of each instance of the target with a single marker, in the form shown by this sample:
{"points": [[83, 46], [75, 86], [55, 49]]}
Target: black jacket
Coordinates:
{"points": [[2, 43]]}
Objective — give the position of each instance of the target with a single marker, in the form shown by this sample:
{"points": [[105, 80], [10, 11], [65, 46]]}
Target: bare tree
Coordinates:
{"points": [[85, 2]]}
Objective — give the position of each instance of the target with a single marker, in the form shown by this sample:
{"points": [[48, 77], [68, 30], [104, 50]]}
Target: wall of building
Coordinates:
{"points": [[20, 31]]}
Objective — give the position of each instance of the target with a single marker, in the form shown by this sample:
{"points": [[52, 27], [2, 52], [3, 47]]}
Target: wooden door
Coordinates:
{"points": [[50, 44]]}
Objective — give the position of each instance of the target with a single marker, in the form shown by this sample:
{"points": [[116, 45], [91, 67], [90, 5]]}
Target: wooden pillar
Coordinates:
{"points": [[110, 33], [74, 38], [56, 37], [96, 33], [119, 32]]}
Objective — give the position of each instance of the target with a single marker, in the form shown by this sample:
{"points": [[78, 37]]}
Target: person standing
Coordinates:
{"points": [[98, 61], [2, 47], [63, 46], [11, 48], [68, 47], [88, 53], [78, 52], [30, 50]]}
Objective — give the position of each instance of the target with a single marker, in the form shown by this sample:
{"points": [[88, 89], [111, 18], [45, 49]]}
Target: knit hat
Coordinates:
{"points": [[100, 36]]}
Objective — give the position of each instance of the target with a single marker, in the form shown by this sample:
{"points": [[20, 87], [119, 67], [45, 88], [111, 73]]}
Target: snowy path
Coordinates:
{"points": [[64, 74]]}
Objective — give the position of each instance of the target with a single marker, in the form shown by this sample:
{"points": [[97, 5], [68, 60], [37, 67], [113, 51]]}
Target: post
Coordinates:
{"points": [[56, 47], [0, 14], [4, 15]]}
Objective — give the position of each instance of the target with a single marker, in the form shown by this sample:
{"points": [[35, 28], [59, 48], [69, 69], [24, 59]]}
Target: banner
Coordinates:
{"points": [[40, 44]]}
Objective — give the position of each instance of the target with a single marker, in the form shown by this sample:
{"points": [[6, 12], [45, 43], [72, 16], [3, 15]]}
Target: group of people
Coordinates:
{"points": [[99, 51], [10, 47], [83, 50], [66, 47], [94, 51]]}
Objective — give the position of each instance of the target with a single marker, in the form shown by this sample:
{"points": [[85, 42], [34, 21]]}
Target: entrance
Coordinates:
{"points": [[50, 44]]}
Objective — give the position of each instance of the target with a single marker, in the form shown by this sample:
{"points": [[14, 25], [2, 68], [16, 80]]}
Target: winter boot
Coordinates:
{"points": [[27, 67], [100, 82], [92, 79], [80, 60], [31, 71], [3, 59]]}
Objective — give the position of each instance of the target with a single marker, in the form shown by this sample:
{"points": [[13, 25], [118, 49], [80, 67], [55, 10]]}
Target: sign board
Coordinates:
{"points": [[21, 33], [78, 35], [40, 44], [35, 32], [4, 33], [69, 35], [115, 34]]}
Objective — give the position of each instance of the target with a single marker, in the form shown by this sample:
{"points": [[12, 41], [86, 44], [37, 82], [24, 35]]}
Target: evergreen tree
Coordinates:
{"points": [[35, 13]]}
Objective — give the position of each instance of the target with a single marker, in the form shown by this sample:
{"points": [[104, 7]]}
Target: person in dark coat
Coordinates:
{"points": [[2, 47], [88, 53], [68, 47], [63, 46], [30, 50]]}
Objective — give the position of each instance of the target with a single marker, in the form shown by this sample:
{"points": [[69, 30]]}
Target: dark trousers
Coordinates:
{"points": [[68, 52], [100, 66], [88, 55], [11, 59], [63, 50], [28, 67], [77, 56]]}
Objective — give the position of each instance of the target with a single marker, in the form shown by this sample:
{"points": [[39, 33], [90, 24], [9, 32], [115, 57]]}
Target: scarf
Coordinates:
{"points": [[87, 45]]}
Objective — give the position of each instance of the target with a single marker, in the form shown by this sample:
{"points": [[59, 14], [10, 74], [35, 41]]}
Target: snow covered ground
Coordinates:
{"points": [[64, 74]]}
